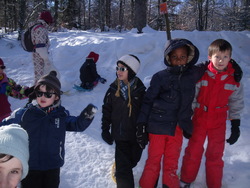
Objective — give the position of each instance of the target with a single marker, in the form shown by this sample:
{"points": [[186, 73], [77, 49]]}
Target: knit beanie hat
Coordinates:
{"points": [[94, 56], [14, 141], [50, 80], [46, 16], [1, 62], [132, 63]]}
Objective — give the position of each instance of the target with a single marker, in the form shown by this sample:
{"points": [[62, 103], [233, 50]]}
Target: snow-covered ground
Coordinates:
{"points": [[88, 158]]}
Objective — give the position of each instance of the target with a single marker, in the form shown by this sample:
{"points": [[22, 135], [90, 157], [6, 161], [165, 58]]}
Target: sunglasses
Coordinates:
{"points": [[3, 67], [46, 94], [122, 69]]}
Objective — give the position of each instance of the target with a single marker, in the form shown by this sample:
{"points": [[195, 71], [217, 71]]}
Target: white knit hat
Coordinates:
{"points": [[131, 61], [14, 142]]}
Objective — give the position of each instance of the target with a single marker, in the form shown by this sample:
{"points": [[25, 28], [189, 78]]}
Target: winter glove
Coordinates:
{"points": [[186, 135], [89, 112], [103, 80], [142, 135], [28, 91], [106, 136], [237, 71], [235, 131]]}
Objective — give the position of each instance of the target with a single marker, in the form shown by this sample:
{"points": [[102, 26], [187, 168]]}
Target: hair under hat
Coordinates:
{"points": [[14, 142], [1, 62], [94, 56], [132, 63], [46, 16], [50, 80]]}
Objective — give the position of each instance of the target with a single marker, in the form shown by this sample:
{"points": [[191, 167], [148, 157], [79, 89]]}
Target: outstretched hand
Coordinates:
{"points": [[103, 80], [89, 111]]}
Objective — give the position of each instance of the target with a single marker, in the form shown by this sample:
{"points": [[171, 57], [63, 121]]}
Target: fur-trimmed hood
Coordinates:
{"points": [[177, 43]]}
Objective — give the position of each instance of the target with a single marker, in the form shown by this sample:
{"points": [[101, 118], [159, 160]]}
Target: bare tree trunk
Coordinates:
{"points": [[56, 13], [140, 14], [200, 16], [121, 15], [108, 13], [89, 14]]}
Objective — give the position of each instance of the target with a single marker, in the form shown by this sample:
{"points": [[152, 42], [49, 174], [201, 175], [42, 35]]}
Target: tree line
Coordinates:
{"points": [[103, 15]]}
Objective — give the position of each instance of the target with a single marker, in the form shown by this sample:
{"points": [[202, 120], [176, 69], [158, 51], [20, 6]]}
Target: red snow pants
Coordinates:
{"points": [[214, 152], [168, 147]]}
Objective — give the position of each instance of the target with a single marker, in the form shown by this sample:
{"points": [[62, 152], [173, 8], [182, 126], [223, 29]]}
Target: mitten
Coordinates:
{"points": [[237, 71], [103, 80], [28, 91], [235, 131], [106, 136], [142, 135], [89, 112], [186, 135]]}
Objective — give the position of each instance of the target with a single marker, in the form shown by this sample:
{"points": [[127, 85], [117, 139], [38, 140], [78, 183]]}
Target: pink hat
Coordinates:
{"points": [[1, 62], [46, 16], [94, 56]]}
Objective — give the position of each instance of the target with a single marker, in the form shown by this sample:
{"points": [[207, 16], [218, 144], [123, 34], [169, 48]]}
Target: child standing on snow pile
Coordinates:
{"points": [[88, 73], [40, 38], [8, 87], [216, 94], [121, 106], [46, 124]]}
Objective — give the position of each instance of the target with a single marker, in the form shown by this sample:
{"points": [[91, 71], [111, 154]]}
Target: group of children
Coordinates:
{"points": [[185, 99]]}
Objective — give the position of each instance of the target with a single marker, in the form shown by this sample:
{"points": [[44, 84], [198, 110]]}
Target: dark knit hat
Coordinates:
{"points": [[46, 16], [94, 56], [132, 63], [50, 80], [1, 62]]}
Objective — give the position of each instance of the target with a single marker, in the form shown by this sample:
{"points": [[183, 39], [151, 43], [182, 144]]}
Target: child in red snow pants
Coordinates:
{"points": [[214, 152], [168, 147]]}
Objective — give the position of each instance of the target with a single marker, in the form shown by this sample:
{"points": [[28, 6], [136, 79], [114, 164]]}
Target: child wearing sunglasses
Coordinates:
{"points": [[8, 87], [46, 124], [121, 106]]}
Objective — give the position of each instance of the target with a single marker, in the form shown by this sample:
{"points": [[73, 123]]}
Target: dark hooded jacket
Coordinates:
{"points": [[168, 100], [116, 111], [88, 72]]}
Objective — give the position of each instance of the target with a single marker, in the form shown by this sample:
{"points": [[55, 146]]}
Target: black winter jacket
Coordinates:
{"points": [[47, 132], [168, 100], [116, 111], [88, 72]]}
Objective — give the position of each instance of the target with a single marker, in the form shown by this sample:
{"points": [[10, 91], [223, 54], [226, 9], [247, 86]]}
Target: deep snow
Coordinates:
{"points": [[88, 158]]}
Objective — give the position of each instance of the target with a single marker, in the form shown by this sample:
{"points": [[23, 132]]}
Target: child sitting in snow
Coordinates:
{"points": [[88, 73], [121, 106], [8, 87], [217, 93], [46, 124]]}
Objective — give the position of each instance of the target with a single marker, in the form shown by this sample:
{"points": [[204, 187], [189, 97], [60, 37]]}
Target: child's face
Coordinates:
{"points": [[122, 75], [2, 69], [10, 173], [220, 60], [42, 99], [179, 56]]}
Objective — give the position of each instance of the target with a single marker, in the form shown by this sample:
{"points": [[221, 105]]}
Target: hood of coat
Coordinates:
{"points": [[177, 43]]}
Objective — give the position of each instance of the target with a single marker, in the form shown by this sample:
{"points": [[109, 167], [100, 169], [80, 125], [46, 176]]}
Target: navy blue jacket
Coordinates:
{"points": [[88, 72], [46, 132], [168, 100]]}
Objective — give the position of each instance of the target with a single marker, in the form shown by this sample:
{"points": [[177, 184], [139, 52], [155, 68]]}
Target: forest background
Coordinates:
{"points": [[106, 15]]}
